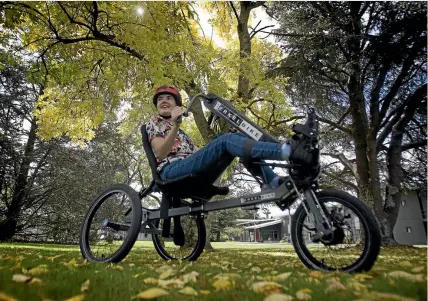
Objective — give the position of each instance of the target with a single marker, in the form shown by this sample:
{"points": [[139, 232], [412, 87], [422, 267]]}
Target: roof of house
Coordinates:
{"points": [[241, 221], [264, 224]]}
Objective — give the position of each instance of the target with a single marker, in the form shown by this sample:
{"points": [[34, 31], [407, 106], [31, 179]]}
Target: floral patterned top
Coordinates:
{"points": [[182, 147]]}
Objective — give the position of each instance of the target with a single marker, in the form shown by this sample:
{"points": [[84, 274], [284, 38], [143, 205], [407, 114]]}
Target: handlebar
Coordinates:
{"points": [[192, 100], [311, 121]]}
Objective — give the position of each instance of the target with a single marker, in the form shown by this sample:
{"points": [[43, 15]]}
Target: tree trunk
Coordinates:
{"points": [[244, 49], [364, 140], [395, 177], [208, 222], [10, 226]]}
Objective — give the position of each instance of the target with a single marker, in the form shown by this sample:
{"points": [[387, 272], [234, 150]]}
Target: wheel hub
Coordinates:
{"points": [[334, 238]]}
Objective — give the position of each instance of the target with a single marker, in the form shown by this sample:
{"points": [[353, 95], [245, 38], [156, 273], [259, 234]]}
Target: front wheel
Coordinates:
{"points": [[111, 225], [354, 244]]}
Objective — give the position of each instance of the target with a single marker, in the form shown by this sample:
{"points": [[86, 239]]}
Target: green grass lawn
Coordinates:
{"points": [[234, 272]]}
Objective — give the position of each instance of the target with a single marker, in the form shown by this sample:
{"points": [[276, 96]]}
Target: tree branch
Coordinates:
{"points": [[347, 183], [417, 144], [235, 12], [336, 125], [418, 95], [400, 78], [347, 163], [254, 32]]}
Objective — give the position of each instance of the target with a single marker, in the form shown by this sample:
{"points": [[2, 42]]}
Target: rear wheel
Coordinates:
{"points": [[111, 225], [354, 244], [194, 236]]}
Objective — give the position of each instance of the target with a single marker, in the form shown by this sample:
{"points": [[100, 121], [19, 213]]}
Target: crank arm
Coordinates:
{"points": [[115, 226]]}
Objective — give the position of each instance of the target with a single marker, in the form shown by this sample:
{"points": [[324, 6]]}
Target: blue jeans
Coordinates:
{"points": [[213, 159]]}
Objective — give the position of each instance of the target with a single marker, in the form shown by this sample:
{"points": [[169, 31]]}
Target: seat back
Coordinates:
{"points": [[182, 187], [149, 153]]}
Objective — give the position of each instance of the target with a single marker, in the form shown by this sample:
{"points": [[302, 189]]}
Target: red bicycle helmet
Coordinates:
{"points": [[168, 89]]}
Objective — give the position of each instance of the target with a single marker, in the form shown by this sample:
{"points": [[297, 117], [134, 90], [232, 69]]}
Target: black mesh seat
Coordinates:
{"points": [[188, 186]]}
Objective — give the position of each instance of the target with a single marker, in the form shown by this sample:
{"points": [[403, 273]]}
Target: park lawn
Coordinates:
{"points": [[234, 272]]}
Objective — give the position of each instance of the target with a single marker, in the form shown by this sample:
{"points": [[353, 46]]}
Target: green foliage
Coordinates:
{"points": [[103, 55]]}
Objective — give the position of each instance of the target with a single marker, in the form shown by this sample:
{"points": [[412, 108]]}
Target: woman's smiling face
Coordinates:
{"points": [[165, 104]]}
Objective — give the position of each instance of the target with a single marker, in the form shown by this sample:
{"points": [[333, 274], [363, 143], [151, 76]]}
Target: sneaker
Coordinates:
{"points": [[301, 151]]}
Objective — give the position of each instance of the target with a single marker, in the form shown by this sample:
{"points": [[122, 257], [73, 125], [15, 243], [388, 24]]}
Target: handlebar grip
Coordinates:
{"points": [[311, 122]]}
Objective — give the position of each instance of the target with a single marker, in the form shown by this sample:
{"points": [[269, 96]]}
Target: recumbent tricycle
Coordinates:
{"points": [[330, 229]]}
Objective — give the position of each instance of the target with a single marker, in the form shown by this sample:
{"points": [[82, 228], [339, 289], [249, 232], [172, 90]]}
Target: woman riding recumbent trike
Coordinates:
{"points": [[330, 229]]}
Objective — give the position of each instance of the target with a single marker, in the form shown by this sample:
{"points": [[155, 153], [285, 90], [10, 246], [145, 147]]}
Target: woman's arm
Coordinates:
{"points": [[162, 146]]}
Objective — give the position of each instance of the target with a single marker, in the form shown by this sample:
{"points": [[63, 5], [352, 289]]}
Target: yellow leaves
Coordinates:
{"points": [[54, 257], [227, 276], [25, 279], [405, 264], [166, 274], [190, 277], [150, 280], [256, 269], [304, 294], [316, 274], [188, 291], [138, 275], [418, 269], [283, 276], [21, 278], [172, 283], [204, 292], [4, 297], [41, 269], [152, 293], [334, 286], [85, 286], [407, 276], [69, 110], [266, 287], [164, 268], [278, 297], [71, 264], [362, 277], [357, 287], [117, 267], [80, 297], [222, 284]]}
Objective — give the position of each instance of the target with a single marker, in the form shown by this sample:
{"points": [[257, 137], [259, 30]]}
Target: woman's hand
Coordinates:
{"points": [[175, 113]]}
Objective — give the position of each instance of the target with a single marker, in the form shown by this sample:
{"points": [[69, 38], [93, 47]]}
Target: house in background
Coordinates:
{"points": [[411, 225], [261, 230]]}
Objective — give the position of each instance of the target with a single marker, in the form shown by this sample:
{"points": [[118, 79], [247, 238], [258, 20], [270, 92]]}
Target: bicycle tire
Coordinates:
{"points": [[195, 252], [132, 233], [370, 224]]}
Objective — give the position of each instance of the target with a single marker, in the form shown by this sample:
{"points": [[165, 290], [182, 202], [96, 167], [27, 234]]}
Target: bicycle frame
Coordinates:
{"points": [[286, 193]]}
